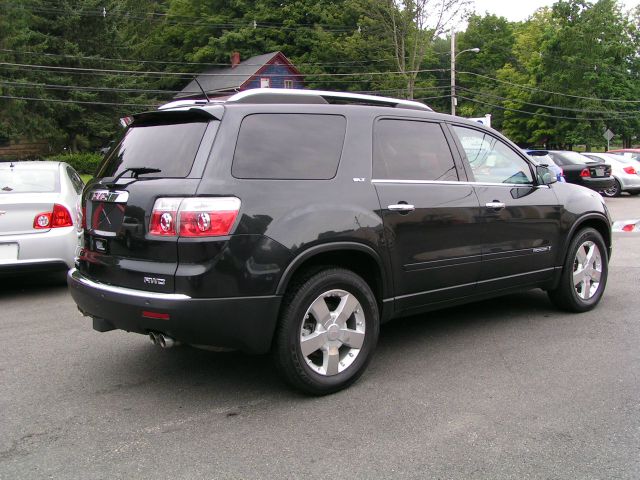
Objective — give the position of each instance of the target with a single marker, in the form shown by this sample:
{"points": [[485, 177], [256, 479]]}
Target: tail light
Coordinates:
{"points": [[194, 217], [165, 217], [630, 170], [585, 173], [58, 217]]}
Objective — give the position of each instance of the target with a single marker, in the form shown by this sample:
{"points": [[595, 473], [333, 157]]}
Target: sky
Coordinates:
{"points": [[517, 10]]}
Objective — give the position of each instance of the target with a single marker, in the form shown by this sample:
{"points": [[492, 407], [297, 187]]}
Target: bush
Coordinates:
{"points": [[82, 162]]}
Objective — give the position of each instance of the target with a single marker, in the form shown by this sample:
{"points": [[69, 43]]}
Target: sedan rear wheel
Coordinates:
{"points": [[614, 190]]}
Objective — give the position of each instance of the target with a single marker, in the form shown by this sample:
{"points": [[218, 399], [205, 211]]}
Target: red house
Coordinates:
{"points": [[271, 70]]}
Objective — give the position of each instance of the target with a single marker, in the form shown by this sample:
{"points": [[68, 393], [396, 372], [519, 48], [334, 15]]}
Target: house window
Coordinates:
{"points": [[288, 84], [264, 82]]}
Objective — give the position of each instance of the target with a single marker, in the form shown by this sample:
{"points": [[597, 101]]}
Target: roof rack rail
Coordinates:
{"points": [[187, 103], [287, 95]]}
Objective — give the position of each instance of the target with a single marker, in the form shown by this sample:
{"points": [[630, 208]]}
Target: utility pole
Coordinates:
{"points": [[454, 100]]}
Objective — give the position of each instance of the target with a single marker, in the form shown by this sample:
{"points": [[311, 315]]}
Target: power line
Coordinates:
{"points": [[578, 110], [535, 89], [82, 102], [87, 102], [348, 63], [547, 115], [170, 19], [89, 88], [190, 75]]}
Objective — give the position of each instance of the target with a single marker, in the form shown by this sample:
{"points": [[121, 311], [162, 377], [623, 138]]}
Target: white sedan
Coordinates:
{"points": [[625, 170], [40, 216]]}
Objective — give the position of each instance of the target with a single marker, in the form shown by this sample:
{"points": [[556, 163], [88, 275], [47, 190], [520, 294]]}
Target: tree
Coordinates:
{"points": [[588, 60], [411, 26]]}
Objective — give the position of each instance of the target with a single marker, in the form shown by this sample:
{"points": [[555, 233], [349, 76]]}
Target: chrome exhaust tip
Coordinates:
{"points": [[165, 341], [153, 337]]}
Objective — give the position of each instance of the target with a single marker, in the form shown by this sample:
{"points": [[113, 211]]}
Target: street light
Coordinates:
{"points": [[454, 55]]}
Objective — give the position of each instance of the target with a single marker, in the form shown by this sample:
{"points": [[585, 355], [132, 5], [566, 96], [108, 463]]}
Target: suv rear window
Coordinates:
{"points": [[289, 146], [171, 148]]}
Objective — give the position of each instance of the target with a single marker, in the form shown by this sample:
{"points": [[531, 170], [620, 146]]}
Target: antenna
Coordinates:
{"points": [[203, 92]]}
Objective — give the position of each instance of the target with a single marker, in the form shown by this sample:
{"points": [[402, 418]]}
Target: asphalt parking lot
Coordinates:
{"points": [[507, 388]]}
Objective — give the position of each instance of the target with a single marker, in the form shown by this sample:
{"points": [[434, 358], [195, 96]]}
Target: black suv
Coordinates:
{"points": [[297, 221]]}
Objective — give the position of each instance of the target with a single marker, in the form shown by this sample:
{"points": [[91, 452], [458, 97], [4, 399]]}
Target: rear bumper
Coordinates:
{"points": [[32, 266], [629, 182], [598, 183], [243, 323], [58, 245]]}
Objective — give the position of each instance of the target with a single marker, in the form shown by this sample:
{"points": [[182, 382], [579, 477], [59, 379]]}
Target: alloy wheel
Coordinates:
{"points": [[332, 332], [587, 270]]}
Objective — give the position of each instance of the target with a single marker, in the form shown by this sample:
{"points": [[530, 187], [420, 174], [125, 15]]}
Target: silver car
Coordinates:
{"points": [[625, 170], [40, 216]]}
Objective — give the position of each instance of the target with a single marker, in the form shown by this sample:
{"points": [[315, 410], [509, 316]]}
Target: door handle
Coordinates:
{"points": [[401, 207], [495, 205]]}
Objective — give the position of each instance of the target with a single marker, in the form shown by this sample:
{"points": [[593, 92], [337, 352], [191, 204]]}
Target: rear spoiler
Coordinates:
{"points": [[176, 116]]}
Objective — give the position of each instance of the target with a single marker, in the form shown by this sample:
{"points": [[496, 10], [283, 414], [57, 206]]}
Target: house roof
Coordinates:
{"points": [[231, 78]]}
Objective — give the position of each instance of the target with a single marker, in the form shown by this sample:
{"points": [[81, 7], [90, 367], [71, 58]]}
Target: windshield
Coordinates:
{"points": [[170, 148], [28, 181]]}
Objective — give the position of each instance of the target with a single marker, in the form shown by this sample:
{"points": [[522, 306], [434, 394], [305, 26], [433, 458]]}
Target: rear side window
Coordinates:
{"points": [[412, 150], [289, 146], [171, 148], [76, 181]]}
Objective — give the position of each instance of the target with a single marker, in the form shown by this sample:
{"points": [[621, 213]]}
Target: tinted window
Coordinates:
{"points": [[76, 181], [21, 180], [289, 146], [171, 148], [568, 158], [412, 150], [491, 160]]}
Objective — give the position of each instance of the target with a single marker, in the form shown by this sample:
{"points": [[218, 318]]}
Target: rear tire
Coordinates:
{"points": [[327, 332], [584, 274], [614, 190]]}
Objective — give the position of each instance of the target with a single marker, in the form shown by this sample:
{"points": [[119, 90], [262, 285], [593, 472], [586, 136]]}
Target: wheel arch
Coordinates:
{"points": [[354, 256], [597, 222]]}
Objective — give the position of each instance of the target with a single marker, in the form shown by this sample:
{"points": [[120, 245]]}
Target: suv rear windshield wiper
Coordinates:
{"points": [[136, 171]]}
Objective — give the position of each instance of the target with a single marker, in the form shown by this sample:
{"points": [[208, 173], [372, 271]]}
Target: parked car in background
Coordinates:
{"points": [[583, 171], [297, 222], [625, 171], [542, 157], [40, 216], [633, 153]]}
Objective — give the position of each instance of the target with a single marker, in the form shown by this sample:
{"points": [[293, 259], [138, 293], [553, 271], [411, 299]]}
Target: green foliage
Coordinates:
{"points": [[84, 163], [545, 81]]}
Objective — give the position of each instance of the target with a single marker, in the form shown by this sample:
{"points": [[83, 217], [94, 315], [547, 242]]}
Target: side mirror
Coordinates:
{"points": [[545, 176]]}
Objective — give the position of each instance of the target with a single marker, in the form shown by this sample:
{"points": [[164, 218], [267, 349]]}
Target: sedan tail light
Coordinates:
{"points": [[585, 173], [58, 217], [630, 170], [194, 217]]}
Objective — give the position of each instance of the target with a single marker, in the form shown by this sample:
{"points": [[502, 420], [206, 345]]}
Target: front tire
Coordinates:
{"points": [[584, 274], [327, 332]]}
